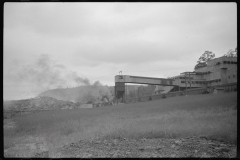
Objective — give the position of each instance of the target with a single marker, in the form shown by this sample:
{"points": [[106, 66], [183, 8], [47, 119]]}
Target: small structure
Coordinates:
{"points": [[218, 90], [86, 106]]}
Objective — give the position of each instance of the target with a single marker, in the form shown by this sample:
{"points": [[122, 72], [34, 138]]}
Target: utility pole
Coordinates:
{"points": [[138, 92], [189, 79], [185, 81], [179, 85]]}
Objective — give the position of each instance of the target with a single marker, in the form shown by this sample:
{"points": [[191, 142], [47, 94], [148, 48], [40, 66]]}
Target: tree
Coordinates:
{"points": [[89, 97], [146, 90], [206, 56], [202, 61], [231, 53], [131, 94]]}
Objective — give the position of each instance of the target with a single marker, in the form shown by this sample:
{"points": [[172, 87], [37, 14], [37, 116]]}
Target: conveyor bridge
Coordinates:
{"points": [[120, 81]]}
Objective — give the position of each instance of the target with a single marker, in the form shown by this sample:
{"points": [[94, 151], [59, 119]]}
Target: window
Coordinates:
{"points": [[228, 62], [120, 77], [224, 62], [182, 81]]}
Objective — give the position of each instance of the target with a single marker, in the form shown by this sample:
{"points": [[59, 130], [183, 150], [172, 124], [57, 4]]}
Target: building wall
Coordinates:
{"points": [[202, 69], [196, 79], [220, 69], [224, 79], [232, 75]]}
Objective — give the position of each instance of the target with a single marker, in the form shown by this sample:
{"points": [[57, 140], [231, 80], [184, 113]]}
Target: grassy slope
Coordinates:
{"points": [[213, 116]]}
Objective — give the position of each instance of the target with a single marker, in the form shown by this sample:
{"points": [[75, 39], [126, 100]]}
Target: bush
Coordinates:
{"points": [[89, 102], [205, 92]]}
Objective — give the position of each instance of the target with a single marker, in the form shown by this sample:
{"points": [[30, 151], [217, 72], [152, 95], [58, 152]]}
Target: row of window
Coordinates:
{"points": [[215, 80], [233, 76], [185, 78], [202, 73], [226, 62], [229, 62], [202, 82]]}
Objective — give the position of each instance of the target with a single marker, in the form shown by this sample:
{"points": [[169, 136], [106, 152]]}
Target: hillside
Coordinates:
{"points": [[187, 126], [95, 92], [36, 104], [81, 93]]}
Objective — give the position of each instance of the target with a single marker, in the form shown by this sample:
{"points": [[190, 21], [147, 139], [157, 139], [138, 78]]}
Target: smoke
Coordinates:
{"points": [[83, 93], [45, 74], [80, 80], [45, 77]]}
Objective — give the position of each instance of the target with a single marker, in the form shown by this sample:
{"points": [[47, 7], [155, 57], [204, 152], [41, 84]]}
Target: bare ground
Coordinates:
{"points": [[122, 147]]}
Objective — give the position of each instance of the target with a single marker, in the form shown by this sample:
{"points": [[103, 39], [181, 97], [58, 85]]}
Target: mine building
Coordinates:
{"points": [[222, 70], [215, 72]]}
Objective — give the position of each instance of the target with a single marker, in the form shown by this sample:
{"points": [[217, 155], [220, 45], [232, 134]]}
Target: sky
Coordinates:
{"points": [[51, 45]]}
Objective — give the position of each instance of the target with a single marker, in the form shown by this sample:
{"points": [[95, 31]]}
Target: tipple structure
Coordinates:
{"points": [[215, 73], [120, 81]]}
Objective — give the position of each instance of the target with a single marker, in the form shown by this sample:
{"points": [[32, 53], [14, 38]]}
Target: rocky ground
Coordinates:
{"points": [[123, 147], [144, 148], [38, 104]]}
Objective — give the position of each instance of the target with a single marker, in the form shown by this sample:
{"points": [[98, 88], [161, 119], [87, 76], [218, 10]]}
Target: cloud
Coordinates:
{"points": [[96, 39]]}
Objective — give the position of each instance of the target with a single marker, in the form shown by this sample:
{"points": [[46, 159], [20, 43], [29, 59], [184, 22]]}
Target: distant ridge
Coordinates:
{"points": [[81, 93]]}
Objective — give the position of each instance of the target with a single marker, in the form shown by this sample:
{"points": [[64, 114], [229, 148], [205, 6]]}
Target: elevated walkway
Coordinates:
{"points": [[120, 81], [143, 80]]}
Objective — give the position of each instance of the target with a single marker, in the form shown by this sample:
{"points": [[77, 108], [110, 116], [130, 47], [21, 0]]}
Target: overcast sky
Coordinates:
{"points": [[47, 45]]}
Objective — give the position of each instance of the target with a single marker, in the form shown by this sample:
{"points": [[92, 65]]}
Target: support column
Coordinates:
{"points": [[224, 78]]}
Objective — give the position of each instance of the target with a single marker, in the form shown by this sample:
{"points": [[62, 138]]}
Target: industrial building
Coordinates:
{"points": [[215, 72]]}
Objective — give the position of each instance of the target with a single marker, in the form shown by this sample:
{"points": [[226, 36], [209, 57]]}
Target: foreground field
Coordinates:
{"points": [[211, 116]]}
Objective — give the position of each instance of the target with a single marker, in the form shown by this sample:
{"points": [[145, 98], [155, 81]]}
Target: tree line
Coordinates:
{"points": [[208, 55]]}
